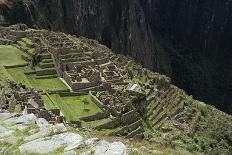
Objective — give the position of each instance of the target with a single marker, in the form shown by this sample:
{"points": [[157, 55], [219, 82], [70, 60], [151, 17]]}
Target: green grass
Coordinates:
{"points": [[10, 55], [93, 124], [73, 107], [4, 75], [28, 41], [52, 84], [19, 76], [30, 81], [48, 103]]}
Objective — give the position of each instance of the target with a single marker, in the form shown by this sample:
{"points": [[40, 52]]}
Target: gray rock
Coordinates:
{"points": [[20, 127], [91, 142], [33, 131], [86, 153], [4, 132], [101, 147], [58, 128], [5, 116], [105, 148], [2, 150], [42, 123], [10, 140], [72, 152], [42, 133], [49, 144], [26, 119], [116, 148]]}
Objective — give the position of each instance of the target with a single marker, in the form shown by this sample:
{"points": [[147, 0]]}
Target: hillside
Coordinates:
{"points": [[83, 84], [187, 40]]}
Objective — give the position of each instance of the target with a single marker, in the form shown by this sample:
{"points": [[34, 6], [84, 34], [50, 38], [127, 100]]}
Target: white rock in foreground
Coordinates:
{"points": [[5, 132], [26, 119], [49, 144], [115, 148]]}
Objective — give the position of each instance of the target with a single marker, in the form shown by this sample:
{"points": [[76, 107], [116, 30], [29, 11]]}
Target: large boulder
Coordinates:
{"points": [[26, 119], [116, 148], [49, 144]]}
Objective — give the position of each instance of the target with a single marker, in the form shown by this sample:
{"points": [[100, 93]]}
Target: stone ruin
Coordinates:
{"points": [[28, 101], [87, 66]]}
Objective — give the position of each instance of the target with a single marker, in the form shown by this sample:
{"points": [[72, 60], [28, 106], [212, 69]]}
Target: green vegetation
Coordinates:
{"points": [[10, 55], [19, 76], [72, 107], [4, 75], [52, 84], [27, 41], [48, 103], [95, 123]]}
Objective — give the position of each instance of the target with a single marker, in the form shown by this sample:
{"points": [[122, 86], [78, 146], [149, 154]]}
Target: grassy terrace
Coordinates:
{"points": [[10, 55], [73, 107], [52, 84]]}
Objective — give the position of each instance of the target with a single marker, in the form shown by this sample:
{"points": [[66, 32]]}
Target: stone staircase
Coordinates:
{"points": [[164, 106], [27, 47], [46, 68], [74, 57], [129, 125]]}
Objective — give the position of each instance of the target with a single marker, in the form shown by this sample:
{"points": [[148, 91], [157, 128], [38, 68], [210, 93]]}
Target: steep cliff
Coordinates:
{"points": [[187, 40]]}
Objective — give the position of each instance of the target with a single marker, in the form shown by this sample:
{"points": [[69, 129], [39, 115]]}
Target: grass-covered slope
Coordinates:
{"points": [[169, 117]]}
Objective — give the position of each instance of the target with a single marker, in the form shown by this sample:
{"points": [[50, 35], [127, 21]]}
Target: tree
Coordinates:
{"points": [[86, 102]]}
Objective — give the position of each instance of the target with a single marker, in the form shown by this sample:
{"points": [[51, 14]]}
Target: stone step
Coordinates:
{"points": [[76, 59], [71, 55], [138, 131], [159, 118], [156, 113], [25, 57], [128, 128], [46, 56], [30, 52], [153, 107], [166, 93], [27, 42], [47, 71], [47, 76], [159, 124], [46, 65], [177, 108], [22, 44], [47, 61], [135, 125]]}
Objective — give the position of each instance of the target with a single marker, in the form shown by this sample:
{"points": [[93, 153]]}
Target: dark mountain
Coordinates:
{"points": [[190, 41]]}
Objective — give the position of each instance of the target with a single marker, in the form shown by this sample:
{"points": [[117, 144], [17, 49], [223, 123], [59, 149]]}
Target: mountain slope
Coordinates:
{"points": [[127, 100], [189, 41]]}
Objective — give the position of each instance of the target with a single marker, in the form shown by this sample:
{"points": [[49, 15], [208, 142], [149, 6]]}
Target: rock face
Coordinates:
{"points": [[187, 40], [40, 137]]}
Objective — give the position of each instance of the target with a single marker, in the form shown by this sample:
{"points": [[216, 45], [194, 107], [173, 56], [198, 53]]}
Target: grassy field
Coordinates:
{"points": [[48, 103], [39, 84], [52, 84], [4, 75], [10, 55], [73, 107], [18, 75]]}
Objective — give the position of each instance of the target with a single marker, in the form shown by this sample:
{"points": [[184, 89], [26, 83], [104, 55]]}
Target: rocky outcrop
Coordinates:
{"points": [[187, 40], [16, 134]]}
